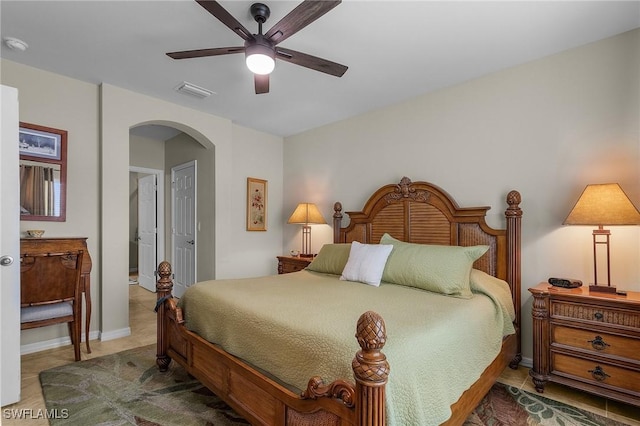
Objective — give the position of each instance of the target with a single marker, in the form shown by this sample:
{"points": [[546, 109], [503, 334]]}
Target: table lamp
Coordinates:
{"points": [[603, 205], [305, 214]]}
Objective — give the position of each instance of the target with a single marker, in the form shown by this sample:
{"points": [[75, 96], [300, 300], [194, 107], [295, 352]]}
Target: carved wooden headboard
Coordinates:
{"points": [[420, 212]]}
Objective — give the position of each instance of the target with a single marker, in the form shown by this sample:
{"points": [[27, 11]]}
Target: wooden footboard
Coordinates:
{"points": [[262, 400]]}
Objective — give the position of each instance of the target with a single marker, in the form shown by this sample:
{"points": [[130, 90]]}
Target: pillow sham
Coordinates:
{"points": [[331, 259], [366, 263], [438, 268]]}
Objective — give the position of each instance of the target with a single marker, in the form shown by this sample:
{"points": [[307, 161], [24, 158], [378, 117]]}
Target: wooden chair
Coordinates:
{"points": [[50, 292]]}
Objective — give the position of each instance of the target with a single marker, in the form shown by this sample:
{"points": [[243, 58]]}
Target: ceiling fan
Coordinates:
{"points": [[261, 50]]}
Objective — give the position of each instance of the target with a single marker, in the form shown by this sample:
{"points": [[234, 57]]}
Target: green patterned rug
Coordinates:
{"points": [[127, 388]]}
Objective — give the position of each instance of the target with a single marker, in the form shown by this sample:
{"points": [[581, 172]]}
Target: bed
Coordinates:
{"points": [[362, 387]]}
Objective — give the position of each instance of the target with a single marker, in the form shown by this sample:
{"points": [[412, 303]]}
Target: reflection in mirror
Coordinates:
{"points": [[43, 169], [39, 189]]}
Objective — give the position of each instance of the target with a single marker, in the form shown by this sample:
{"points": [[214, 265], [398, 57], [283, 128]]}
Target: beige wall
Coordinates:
{"points": [[261, 160], [146, 152], [55, 101], [98, 119], [547, 128], [122, 109]]}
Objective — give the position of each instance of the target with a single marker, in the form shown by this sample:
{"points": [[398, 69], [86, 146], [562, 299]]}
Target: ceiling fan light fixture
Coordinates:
{"points": [[260, 64], [260, 58]]}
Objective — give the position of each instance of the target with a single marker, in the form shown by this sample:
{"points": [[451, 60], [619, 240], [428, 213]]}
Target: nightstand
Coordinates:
{"points": [[288, 264], [587, 340]]}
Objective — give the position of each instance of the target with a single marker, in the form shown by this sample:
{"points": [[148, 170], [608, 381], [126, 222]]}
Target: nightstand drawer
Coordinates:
{"points": [[597, 342], [288, 264], [600, 314], [292, 267], [601, 374]]}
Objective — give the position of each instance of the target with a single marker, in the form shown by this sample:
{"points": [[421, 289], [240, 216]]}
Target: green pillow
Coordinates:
{"points": [[437, 268], [331, 259]]}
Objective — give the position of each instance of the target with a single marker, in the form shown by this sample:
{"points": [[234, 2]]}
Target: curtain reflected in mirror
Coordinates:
{"points": [[43, 173], [39, 189]]}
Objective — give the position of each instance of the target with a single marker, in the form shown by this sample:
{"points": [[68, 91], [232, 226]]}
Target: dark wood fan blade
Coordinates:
{"points": [[214, 8], [312, 62], [200, 53], [262, 83], [304, 14]]}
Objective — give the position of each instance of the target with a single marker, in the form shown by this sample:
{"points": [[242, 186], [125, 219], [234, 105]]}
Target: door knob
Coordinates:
{"points": [[6, 260], [192, 242]]}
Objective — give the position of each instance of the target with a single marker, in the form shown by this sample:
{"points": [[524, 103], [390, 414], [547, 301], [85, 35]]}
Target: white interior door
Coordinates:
{"points": [[183, 226], [9, 249], [147, 231]]}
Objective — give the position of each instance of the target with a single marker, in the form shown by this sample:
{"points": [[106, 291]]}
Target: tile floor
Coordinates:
{"points": [[143, 332], [623, 413]]}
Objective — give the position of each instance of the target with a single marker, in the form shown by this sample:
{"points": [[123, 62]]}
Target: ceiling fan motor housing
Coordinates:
{"points": [[259, 45], [260, 12]]}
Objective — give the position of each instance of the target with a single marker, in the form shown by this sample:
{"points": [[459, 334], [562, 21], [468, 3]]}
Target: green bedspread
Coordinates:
{"points": [[300, 325]]}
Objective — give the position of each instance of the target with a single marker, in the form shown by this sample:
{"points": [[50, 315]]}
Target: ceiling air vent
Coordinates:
{"points": [[193, 90]]}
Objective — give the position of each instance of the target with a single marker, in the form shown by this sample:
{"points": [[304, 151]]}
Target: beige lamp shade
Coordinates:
{"points": [[603, 204], [305, 214]]}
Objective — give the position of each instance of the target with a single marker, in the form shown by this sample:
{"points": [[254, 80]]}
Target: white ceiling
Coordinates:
{"points": [[395, 50]]}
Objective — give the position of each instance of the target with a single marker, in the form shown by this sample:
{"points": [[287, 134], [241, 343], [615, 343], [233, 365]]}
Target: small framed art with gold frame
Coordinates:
{"points": [[256, 204]]}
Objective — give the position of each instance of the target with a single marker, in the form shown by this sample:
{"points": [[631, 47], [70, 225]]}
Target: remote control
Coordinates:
{"points": [[565, 282]]}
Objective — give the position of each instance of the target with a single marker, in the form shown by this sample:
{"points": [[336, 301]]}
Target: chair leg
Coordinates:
{"points": [[74, 334], [76, 342]]}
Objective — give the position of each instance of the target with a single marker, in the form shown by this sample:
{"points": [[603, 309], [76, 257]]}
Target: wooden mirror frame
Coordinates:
{"points": [[62, 161]]}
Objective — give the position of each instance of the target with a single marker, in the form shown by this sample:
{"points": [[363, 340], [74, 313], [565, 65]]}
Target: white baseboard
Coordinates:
{"points": [[115, 334], [64, 341], [526, 362], [53, 343]]}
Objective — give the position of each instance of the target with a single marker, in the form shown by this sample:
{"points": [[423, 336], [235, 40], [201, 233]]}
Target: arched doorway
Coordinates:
{"points": [[122, 110]]}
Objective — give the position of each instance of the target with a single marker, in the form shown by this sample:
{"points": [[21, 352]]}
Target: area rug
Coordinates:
{"points": [[127, 388]]}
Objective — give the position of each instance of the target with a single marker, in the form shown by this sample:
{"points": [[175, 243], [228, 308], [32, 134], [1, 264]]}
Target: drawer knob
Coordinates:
{"points": [[598, 316], [598, 343], [599, 374]]}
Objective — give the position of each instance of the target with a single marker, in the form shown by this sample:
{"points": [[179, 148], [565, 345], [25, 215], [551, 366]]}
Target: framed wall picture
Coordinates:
{"points": [[40, 141], [256, 204]]}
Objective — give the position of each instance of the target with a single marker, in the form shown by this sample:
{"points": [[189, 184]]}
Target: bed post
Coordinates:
{"points": [[514, 218], [163, 290], [371, 370], [337, 222]]}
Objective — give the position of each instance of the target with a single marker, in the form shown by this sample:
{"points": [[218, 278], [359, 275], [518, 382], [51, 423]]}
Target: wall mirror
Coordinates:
{"points": [[43, 173]]}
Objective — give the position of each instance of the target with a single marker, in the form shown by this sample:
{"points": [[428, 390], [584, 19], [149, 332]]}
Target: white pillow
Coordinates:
{"points": [[366, 263]]}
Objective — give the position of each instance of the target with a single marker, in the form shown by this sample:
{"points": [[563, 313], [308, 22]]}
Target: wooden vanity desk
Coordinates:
{"points": [[62, 244]]}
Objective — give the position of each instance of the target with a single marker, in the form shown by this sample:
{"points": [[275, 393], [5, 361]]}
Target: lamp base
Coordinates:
{"points": [[602, 288]]}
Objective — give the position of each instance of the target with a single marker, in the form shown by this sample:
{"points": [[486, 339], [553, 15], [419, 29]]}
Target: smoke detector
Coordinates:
{"points": [[15, 44]]}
